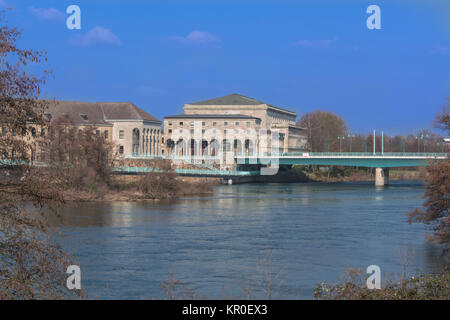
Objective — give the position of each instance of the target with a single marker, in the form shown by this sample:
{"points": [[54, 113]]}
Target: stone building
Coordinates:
{"points": [[233, 123], [133, 130]]}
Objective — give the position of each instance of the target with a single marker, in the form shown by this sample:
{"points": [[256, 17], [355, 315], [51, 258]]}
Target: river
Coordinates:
{"points": [[305, 233]]}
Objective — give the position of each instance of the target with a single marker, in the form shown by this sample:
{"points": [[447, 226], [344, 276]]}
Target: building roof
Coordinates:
{"points": [[235, 99], [231, 99], [97, 113], [211, 116]]}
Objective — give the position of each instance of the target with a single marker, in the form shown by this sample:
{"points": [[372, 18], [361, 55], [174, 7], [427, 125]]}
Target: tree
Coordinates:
{"points": [[437, 196], [442, 120], [81, 157], [323, 129], [32, 265]]}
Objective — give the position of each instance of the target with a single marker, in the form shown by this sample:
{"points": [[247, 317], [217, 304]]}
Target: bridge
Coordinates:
{"points": [[381, 161]]}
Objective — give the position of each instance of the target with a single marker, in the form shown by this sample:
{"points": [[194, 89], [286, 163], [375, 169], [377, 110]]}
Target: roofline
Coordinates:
{"points": [[268, 106]]}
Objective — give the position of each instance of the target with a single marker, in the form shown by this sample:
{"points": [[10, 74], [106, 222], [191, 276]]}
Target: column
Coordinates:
{"points": [[381, 176]]}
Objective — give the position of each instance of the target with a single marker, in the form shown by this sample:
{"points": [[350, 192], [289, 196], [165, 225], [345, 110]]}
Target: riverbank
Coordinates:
{"points": [[127, 188], [358, 175]]}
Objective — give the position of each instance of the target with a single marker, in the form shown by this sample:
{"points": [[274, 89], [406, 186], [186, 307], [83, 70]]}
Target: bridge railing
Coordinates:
{"points": [[365, 154], [189, 171]]}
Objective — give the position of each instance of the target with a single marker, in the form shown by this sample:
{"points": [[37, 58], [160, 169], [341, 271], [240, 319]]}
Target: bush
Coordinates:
{"points": [[353, 287]]}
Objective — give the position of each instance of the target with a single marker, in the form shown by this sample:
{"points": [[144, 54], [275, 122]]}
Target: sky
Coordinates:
{"points": [[298, 55]]}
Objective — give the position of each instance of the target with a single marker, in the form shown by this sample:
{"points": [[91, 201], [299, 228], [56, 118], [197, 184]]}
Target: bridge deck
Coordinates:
{"points": [[355, 159]]}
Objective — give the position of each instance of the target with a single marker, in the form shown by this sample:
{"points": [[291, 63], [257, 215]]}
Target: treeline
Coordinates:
{"points": [[328, 132]]}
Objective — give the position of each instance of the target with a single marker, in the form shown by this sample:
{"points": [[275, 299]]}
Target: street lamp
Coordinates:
{"points": [[340, 142], [351, 136], [326, 145], [424, 136]]}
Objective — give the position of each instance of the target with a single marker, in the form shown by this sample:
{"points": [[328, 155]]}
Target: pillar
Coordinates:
{"points": [[381, 176]]}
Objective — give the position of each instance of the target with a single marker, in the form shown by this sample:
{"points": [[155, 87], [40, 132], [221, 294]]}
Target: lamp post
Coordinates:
{"points": [[351, 136], [374, 143], [340, 142], [326, 145], [418, 143], [424, 136]]}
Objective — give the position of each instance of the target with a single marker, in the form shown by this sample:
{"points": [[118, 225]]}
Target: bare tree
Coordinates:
{"points": [[323, 129], [437, 197], [32, 264]]}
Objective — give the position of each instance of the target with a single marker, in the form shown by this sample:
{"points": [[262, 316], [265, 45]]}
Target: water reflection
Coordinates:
{"points": [[315, 231]]}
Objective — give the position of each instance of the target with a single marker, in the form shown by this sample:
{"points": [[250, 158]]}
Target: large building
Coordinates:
{"points": [[133, 130], [204, 126]]}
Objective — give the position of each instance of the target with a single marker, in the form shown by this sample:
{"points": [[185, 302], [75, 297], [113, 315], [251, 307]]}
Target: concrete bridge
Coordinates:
{"points": [[380, 161]]}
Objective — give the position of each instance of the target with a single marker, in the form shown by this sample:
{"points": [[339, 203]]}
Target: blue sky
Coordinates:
{"points": [[300, 55]]}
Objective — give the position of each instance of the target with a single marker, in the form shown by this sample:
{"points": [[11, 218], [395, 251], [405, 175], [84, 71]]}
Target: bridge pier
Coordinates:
{"points": [[381, 176]]}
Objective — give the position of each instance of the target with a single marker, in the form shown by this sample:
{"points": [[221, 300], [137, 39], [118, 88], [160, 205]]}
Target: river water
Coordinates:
{"points": [[302, 233]]}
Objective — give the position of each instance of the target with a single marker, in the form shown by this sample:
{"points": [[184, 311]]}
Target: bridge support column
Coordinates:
{"points": [[381, 176], [227, 181]]}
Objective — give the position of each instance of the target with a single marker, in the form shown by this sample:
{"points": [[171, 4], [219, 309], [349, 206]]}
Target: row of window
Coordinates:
{"points": [[203, 131], [152, 131], [225, 123]]}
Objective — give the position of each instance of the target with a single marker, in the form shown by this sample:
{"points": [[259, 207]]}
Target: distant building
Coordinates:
{"points": [[132, 129], [235, 113]]}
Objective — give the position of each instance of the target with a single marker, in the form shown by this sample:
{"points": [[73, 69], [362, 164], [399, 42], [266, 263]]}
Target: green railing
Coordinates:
{"points": [[363, 154], [189, 171]]}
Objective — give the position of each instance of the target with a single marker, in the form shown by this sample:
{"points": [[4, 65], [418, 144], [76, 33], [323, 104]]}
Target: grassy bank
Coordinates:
{"points": [[352, 174]]}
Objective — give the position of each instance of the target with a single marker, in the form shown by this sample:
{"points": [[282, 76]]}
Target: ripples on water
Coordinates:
{"points": [[312, 231]]}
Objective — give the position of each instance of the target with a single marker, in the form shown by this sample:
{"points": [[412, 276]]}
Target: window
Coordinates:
{"points": [[121, 149], [181, 123], [203, 123], [237, 124], [106, 134], [203, 131], [97, 132], [170, 123], [192, 123], [225, 131], [42, 132], [33, 132], [84, 116], [192, 130], [170, 130], [121, 134], [214, 124], [225, 123], [249, 124]]}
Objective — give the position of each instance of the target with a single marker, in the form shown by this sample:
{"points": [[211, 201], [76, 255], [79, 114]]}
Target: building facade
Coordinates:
{"points": [[134, 131], [233, 123]]}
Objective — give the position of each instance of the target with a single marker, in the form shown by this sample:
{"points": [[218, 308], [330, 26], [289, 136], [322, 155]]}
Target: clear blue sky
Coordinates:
{"points": [[300, 55]]}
